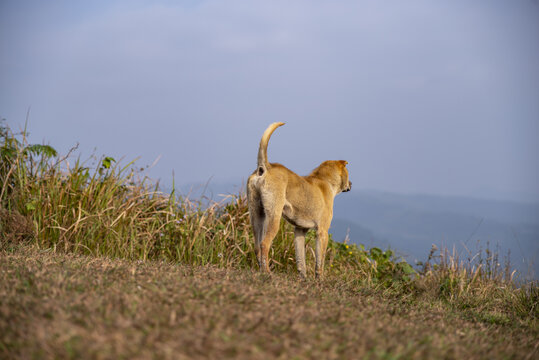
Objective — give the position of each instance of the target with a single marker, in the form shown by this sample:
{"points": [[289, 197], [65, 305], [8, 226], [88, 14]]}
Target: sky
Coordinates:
{"points": [[419, 96]]}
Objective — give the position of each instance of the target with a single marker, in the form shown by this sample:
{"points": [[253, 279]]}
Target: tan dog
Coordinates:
{"points": [[304, 201]]}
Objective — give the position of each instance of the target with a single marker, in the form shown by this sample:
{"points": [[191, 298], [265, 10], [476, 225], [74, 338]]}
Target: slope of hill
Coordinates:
{"points": [[67, 306], [186, 289]]}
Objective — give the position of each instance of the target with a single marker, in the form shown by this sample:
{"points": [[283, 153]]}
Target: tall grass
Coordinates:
{"points": [[116, 211], [479, 285], [113, 210]]}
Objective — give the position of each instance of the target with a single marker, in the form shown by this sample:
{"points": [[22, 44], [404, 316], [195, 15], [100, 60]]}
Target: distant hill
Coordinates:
{"points": [[411, 223]]}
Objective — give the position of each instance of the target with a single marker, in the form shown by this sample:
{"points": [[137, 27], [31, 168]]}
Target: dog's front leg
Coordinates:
{"points": [[299, 242], [320, 252]]}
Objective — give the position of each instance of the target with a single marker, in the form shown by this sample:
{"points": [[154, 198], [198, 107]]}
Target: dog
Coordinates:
{"points": [[304, 201]]}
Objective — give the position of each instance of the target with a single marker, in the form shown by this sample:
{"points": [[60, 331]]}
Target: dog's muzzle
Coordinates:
{"points": [[349, 187]]}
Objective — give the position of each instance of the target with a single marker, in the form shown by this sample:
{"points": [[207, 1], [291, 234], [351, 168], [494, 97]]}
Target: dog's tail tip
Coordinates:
{"points": [[263, 163]]}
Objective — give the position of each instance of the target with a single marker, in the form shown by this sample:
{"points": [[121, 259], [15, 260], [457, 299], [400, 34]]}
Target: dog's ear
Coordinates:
{"points": [[343, 162]]}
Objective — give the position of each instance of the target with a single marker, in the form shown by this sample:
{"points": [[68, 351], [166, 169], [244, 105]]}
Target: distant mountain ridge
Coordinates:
{"points": [[411, 223]]}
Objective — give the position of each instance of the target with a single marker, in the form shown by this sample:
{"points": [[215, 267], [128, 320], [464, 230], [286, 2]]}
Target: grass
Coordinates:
{"points": [[98, 263], [56, 305], [115, 211]]}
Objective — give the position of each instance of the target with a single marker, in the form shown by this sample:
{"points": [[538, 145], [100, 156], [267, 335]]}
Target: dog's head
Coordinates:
{"points": [[346, 184], [335, 172]]}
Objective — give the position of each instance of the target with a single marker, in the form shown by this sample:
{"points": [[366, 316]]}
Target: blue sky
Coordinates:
{"points": [[438, 97]]}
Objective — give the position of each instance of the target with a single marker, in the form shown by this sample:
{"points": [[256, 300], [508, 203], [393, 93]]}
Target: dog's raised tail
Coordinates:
{"points": [[263, 163]]}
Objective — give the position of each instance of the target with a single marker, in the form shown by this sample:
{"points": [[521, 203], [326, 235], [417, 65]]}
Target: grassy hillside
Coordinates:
{"points": [[69, 306], [97, 262], [114, 210]]}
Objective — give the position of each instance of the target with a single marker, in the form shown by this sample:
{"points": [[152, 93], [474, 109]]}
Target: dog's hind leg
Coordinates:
{"points": [[273, 209], [257, 216], [299, 242], [257, 223], [271, 227]]}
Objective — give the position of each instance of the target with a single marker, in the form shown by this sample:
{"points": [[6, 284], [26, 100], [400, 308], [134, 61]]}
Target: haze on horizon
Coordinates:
{"points": [[419, 96]]}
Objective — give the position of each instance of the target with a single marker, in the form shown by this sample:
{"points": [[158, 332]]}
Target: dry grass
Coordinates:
{"points": [[70, 306], [183, 284], [98, 207]]}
